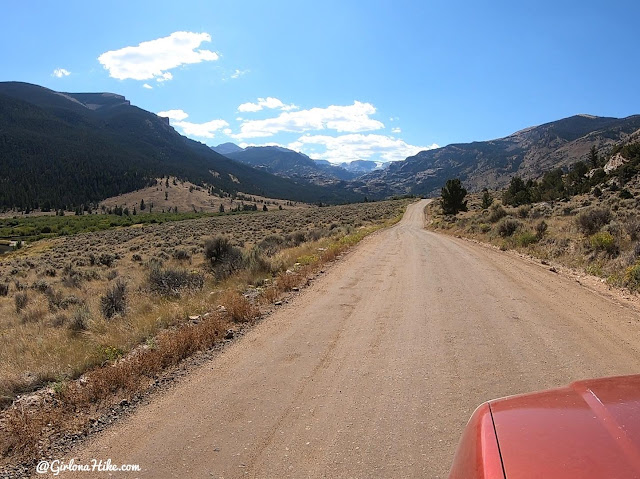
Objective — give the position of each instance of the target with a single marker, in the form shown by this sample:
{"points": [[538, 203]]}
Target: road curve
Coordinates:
{"points": [[374, 370]]}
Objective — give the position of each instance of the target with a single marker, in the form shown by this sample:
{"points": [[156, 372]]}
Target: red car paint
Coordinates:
{"points": [[588, 430]]}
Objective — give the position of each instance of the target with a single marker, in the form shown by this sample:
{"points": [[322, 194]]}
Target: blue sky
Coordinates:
{"points": [[339, 80]]}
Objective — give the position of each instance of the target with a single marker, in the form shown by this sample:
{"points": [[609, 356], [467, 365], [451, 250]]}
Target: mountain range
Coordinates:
{"points": [[292, 164], [59, 150], [65, 149], [491, 164]]}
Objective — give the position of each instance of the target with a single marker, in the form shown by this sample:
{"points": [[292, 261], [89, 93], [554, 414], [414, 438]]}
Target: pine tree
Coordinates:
{"points": [[453, 195], [487, 199]]}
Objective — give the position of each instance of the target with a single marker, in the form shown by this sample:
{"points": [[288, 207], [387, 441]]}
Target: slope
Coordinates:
{"points": [[527, 153], [290, 164], [64, 149]]}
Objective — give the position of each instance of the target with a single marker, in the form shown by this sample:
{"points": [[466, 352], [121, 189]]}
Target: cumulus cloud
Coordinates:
{"points": [[269, 102], [152, 59], [147, 86], [60, 72], [346, 148], [349, 118], [396, 130], [201, 130], [174, 114]]}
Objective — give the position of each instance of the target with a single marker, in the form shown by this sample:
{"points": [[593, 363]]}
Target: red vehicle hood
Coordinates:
{"points": [[590, 429]]}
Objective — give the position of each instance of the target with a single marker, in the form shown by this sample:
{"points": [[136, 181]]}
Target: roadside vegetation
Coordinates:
{"points": [[584, 218], [90, 319]]}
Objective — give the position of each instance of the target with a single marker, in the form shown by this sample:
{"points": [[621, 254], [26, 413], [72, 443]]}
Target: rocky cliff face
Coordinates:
{"points": [[527, 153]]}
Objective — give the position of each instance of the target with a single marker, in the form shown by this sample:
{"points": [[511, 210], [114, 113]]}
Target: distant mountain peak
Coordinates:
{"points": [[226, 148]]}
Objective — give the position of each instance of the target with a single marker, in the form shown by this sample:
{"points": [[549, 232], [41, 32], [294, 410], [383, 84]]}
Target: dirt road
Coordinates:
{"points": [[375, 369]]}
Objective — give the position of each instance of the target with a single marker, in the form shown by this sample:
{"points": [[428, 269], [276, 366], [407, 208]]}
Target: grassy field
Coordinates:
{"points": [[34, 228], [60, 311]]}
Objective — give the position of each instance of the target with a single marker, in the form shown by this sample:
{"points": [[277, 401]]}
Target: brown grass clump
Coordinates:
{"points": [[286, 281], [239, 308], [270, 294]]}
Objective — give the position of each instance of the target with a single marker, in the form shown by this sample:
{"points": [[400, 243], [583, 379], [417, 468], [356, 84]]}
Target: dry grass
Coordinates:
{"points": [[239, 309], [57, 410], [598, 235], [61, 335], [188, 197]]}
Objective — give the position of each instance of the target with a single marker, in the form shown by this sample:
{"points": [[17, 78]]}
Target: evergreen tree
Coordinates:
{"points": [[518, 193], [453, 194], [142, 205], [487, 199]]}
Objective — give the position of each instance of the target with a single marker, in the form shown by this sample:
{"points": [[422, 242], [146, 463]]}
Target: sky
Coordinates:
{"points": [[337, 80]]}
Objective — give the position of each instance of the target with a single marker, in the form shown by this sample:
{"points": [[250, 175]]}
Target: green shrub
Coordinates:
{"points": [[115, 300], [497, 213], [507, 227], [632, 277], [255, 262], [298, 237], [523, 211], [541, 229], [224, 258], [80, 319], [272, 244], [171, 281], [181, 255], [625, 194], [590, 221], [526, 238], [603, 241]]}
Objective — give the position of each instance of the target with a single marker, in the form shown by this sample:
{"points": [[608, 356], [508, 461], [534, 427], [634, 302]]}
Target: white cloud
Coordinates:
{"points": [[269, 102], [153, 58], [396, 130], [346, 148], [60, 72], [239, 73], [174, 114], [147, 86], [166, 76], [202, 130], [349, 118]]}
